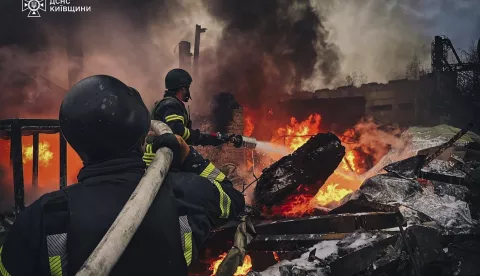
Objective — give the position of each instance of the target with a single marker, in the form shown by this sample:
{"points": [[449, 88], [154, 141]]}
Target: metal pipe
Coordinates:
{"points": [[36, 140], [63, 162]]}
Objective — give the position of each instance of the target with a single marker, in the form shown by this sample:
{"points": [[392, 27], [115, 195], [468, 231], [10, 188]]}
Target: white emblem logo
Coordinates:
{"points": [[33, 7]]}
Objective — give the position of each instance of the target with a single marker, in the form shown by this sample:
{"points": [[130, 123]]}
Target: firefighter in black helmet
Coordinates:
{"points": [[106, 123], [171, 110]]}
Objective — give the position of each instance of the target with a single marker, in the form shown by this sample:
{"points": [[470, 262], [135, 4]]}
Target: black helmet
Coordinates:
{"points": [[102, 118], [177, 78]]}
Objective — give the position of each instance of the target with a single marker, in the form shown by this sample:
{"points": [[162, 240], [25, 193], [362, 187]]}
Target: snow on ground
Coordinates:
{"points": [[363, 240], [443, 167], [324, 249]]}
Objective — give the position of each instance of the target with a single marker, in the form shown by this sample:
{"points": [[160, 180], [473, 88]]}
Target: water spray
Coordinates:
{"points": [[240, 141]]}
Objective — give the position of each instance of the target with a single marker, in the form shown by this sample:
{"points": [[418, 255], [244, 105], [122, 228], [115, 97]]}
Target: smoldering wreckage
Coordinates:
{"points": [[415, 216]]}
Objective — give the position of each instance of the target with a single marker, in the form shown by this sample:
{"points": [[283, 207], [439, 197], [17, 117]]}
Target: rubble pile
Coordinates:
{"points": [[403, 220]]}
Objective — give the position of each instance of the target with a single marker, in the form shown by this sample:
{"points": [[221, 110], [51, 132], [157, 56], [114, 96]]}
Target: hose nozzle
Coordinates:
{"points": [[240, 141]]}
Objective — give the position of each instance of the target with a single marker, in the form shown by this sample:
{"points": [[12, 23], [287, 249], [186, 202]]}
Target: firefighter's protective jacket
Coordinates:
{"points": [[57, 233], [172, 111]]}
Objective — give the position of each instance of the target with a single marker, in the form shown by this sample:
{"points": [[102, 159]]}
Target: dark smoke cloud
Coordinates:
{"points": [[257, 50], [268, 47]]}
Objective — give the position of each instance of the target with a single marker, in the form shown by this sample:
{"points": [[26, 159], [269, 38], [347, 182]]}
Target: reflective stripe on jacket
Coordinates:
{"points": [[173, 112]]}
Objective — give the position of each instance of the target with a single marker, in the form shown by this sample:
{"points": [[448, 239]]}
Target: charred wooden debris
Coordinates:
{"points": [[408, 219]]}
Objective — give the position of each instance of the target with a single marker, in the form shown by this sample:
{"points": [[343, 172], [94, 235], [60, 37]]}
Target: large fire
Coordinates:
{"points": [[296, 134], [48, 163], [248, 126], [241, 270], [345, 179], [45, 156]]}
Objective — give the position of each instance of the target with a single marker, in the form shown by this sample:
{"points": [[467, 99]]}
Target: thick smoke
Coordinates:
{"points": [[29, 83], [378, 38], [268, 47], [375, 39], [131, 40], [257, 50]]}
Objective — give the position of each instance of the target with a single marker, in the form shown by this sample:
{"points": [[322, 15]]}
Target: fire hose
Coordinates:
{"points": [[113, 244], [237, 140], [236, 255]]}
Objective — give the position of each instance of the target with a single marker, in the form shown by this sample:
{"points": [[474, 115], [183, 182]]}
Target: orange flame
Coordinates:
{"points": [[296, 205], [241, 270], [44, 153], [342, 182], [296, 134], [275, 255], [48, 157], [249, 126], [329, 193]]}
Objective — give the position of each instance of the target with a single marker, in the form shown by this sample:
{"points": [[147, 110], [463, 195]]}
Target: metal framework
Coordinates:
{"points": [[13, 130], [440, 48]]}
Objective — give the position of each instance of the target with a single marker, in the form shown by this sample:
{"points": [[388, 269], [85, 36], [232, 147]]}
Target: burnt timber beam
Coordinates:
{"points": [[17, 162], [29, 126], [307, 230], [343, 223], [63, 162], [361, 259], [290, 242], [36, 140]]}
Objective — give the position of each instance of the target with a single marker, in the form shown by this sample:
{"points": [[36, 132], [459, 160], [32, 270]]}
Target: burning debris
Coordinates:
{"points": [[242, 270], [364, 144], [440, 217], [300, 168]]}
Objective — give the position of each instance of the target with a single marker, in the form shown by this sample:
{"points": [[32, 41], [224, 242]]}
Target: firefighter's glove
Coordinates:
{"points": [[174, 142]]}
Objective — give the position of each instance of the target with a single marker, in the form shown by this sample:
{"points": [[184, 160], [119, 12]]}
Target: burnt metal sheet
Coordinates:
{"points": [[343, 223], [451, 179], [361, 259], [290, 242]]}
